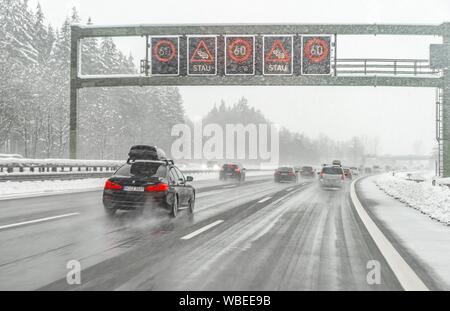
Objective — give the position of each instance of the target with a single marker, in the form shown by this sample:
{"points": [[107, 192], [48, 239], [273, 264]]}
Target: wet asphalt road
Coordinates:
{"points": [[267, 237]]}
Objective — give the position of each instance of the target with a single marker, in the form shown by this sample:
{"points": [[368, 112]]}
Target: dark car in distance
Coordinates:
{"points": [[285, 173], [142, 184], [307, 172], [233, 171]]}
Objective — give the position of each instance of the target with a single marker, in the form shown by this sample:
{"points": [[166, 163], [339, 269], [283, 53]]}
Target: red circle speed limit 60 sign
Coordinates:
{"points": [[164, 51], [239, 55], [316, 49], [240, 50]]}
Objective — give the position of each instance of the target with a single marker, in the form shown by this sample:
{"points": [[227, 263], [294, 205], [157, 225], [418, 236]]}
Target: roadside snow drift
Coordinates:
{"points": [[430, 200], [11, 189]]}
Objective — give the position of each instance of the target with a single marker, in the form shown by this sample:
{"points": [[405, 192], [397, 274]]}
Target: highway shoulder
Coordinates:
{"points": [[393, 226]]}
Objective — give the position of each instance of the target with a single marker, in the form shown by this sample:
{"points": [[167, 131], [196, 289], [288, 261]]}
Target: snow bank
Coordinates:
{"points": [[430, 200], [10, 189]]}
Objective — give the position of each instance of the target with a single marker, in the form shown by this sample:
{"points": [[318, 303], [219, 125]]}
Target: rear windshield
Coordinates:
{"points": [[143, 169], [332, 170], [286, 169], [230, 166], [307, 168]]}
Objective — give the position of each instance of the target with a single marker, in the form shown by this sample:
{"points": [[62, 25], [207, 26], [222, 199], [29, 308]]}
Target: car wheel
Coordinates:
{"points": [[110, 212], [191, 205], [174, 208]]}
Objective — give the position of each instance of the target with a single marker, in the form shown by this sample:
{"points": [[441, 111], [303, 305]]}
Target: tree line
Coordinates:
{"points": [[34, 92], [294, 148], [34, 99]]}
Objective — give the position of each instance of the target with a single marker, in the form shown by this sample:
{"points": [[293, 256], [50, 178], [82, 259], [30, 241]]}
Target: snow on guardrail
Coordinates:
{"points": [[423, 196], [21, 169], [58, 162]]}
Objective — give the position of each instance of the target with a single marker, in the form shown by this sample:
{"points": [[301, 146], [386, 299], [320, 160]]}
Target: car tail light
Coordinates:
{"points": [[343, 177], [291, 173], [109, 185], [321, 175], [277, 173], [238, 170], [157, 188]]}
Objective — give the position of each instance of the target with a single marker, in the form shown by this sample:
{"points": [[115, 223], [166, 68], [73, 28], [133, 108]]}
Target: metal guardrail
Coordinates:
{"points": [[385, 66], [24, 168], [88, 172], [54, 176]]}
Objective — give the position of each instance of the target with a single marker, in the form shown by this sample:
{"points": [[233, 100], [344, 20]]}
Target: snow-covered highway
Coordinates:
{"points": [[254, 236]]}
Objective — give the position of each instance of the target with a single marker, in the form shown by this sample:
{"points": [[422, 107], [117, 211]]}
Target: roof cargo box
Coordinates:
{"points": [[144, 152]]}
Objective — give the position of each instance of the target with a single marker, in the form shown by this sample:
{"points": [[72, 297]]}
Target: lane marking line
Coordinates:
{"points": [[264, 200], [288, 189], [229, 186], [201, 230], [37, 220], [409, 280]]}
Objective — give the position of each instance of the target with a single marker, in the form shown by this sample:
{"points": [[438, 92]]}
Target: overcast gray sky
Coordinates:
{"points": [[398, 116]]}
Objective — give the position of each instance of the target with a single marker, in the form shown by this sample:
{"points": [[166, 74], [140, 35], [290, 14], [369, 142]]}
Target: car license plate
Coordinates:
{"points": [[283, 173], [134, 189], [229, 174]]}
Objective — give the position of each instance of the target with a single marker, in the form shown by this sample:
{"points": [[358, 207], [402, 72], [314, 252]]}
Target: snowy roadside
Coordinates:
{"points": [[425, 242], [13, 189], [430, 200]]}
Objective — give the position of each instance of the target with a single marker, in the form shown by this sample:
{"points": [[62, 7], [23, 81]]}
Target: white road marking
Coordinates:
{"points": [[264, 200], [409, 280], [288, 189], [37, 220], [202, 229], [229, 186]]}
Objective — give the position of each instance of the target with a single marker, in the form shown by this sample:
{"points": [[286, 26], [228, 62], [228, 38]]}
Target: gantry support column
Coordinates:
{"points": [[73, 110]]}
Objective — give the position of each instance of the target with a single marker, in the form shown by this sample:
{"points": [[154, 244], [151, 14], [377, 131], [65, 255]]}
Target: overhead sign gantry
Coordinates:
{"points": [[291, 54]]}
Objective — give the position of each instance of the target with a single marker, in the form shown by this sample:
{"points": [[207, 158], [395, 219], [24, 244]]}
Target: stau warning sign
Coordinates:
{"points": [[278, 52], [202, 55]]}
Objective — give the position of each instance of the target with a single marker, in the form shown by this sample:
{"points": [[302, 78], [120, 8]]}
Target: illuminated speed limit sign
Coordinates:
{"points": [[316, 55], [164, 55], [239, 55]]}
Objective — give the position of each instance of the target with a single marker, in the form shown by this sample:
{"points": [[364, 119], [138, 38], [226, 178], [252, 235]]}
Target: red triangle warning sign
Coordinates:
{"points": [[202, 54], [278, 53]]}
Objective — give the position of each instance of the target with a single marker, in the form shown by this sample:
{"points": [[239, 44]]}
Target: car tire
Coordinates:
{"points": [[110, 212], [174, 207], [191, 205]]}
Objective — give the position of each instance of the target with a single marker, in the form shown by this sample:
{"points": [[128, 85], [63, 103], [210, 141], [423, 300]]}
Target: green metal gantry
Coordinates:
{"points": [[79, 32]]}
